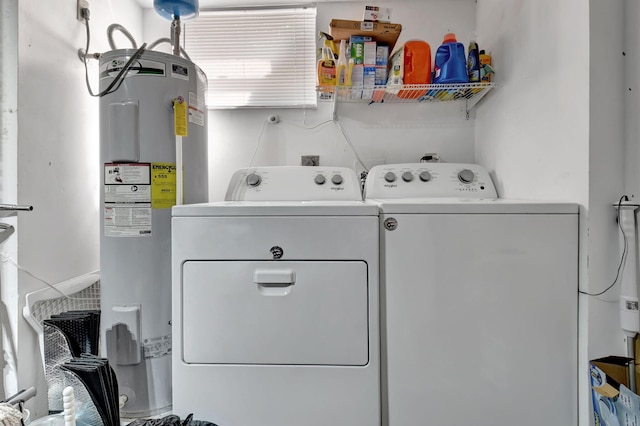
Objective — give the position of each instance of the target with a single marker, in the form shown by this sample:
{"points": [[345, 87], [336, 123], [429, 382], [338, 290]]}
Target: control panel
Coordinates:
{"points": [[425, 180], [294, 183]]}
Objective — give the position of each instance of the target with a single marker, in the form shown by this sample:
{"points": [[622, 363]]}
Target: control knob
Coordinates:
{"points": [[390, 177], [407, 176], [254, 180], [425, 176], [466, 176], [320, 179], [336, 179]]}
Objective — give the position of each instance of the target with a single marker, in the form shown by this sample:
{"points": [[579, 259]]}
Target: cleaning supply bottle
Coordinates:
{"points": [[451, 62], [473, 63], [342, 67], [326, 73], [485, 67], [411, 65]]}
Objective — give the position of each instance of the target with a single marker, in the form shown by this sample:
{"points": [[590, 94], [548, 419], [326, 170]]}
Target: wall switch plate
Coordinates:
{"points": [[310, 160], [82, 4]]}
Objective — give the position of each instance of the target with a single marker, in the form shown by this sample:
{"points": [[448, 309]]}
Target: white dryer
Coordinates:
{"points": [[275, 302], [479, 298]]}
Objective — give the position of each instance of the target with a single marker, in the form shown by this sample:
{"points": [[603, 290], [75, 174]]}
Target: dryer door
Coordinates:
{"points": [[279, 313]]}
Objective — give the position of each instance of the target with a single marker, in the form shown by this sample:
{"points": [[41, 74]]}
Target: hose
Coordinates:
{"points": [[124, 31]]}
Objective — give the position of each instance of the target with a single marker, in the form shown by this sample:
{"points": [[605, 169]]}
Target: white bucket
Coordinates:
{"points": [[51, 420]]}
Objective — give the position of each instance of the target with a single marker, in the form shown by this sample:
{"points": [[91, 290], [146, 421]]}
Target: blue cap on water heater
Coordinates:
{"points": [[174, 9]]}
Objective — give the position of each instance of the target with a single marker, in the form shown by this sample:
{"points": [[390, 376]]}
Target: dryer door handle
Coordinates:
{"points": [[274, 278]]}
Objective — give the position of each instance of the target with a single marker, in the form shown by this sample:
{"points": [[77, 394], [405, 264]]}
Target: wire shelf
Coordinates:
{"points": [[413, 93]]}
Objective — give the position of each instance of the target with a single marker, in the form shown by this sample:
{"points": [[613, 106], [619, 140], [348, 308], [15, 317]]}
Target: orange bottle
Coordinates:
{"points": [[411, 64]]}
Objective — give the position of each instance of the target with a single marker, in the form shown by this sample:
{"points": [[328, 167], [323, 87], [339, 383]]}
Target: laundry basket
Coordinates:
{"points": [[79, 293]]}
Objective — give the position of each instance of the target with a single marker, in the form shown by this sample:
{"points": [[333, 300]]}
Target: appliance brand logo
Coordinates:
{"points": [[276, 252]]}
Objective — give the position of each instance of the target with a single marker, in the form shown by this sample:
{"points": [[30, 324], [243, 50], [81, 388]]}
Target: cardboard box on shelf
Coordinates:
{"points": [[375, 13], [388, 33], [607, 375]]}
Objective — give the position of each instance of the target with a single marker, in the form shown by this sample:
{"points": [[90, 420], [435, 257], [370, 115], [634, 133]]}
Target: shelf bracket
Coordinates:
{"points": [[473, 101]]}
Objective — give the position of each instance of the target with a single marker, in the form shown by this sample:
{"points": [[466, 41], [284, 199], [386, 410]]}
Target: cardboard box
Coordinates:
{"points": [[370, 53], [357, 48], [376, 14], [341, 29], [381, 75], [382, 55], [607, 374], [369, 81]]}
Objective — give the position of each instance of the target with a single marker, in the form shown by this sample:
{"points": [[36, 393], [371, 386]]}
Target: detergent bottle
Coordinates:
{"points": [[450, 62], [411, 65], [473, 63]]}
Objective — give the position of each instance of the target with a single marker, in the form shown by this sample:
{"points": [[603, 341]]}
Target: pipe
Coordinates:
{"points": [[629, 303], [168, 40], [175, 36], [22, 396]]}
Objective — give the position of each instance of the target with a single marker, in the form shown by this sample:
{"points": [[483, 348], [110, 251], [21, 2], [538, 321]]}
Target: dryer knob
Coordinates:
{"points": [[254, 180], [466, 176], [320, 179], [407, 176], [425, 176], [390, 177], [336, 179]]}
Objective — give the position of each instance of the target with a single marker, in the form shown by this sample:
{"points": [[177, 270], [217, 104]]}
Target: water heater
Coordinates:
{"points": [[161, 94]]}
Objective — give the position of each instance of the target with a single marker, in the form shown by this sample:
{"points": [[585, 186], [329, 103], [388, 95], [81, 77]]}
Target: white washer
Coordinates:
{"points": [[275, 302], [478, 300]]}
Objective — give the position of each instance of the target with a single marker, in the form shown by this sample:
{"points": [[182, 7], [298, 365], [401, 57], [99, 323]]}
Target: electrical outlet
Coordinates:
{"points": [[310, 160], [82, 4]]}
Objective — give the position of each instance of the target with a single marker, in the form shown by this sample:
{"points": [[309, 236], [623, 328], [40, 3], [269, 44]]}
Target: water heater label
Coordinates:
{"points": [[180, 71], [127, 220], [127, 199], [163, 185], [156, 347], [140, 67], [196, 109]]}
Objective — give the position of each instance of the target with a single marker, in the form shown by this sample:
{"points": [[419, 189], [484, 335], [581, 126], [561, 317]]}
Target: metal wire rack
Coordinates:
{"points": [[82, 292], [470, 93]]}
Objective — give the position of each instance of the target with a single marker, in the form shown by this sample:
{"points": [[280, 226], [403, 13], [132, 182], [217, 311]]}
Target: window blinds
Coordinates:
{"points": [[256, 57]]}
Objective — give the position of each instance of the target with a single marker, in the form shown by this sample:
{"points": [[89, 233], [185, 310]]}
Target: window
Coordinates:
{"points": [[256, 57]]}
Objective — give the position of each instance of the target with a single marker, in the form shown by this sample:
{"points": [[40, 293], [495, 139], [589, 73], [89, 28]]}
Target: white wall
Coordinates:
{"points": [[554, 130], [380, 133], [8, 183], [58, 169]]}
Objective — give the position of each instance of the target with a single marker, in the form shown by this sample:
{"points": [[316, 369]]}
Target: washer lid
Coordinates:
{"points": [[473, 206], [277, 208]]}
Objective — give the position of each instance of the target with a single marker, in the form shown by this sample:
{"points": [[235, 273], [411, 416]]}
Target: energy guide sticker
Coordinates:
{"points": [[127, 200]]}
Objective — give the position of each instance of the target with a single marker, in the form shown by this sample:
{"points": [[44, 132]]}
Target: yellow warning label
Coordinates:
{"points": [[180, 116], [163, 185]]}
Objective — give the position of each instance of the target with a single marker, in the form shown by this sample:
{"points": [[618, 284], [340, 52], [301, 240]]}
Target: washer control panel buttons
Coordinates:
{"points": [[407, 176]]}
